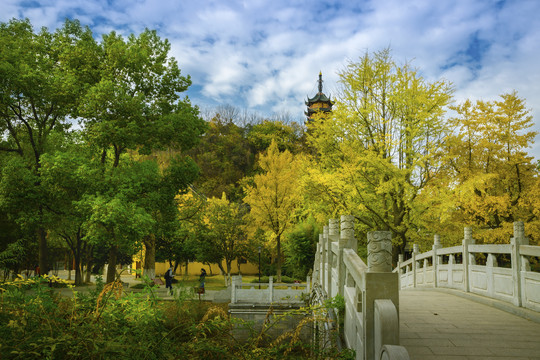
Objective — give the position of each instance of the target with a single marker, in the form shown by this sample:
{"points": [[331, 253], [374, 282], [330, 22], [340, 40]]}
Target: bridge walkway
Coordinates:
{"points": [[440, 325]]}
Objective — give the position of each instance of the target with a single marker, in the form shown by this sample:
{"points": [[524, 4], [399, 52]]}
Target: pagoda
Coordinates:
{"points": [[320, 102]]}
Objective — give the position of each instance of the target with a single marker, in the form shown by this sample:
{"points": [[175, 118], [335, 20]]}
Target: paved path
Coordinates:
{"points": [[440, 325]]}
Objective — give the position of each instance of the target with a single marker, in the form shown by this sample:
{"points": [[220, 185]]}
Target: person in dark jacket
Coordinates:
{"points": [[168, 279], [201, 280]]}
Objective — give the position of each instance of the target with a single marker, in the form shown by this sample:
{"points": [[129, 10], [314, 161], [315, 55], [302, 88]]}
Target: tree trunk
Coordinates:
{"points": [[150, 256], [278, 262], [225, 278], [209, 268], [78, 269], [111, 270], [43, 251], [89, 264]]}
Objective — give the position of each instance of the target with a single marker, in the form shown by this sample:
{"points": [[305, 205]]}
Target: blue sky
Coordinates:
{"points": [[265, 56]]}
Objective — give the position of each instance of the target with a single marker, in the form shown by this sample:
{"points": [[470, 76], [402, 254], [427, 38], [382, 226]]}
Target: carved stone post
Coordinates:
{"points": [[328, 246], [380, 283], [347, 232], [399, 262], [322, 271], [379, 251], [435, 259], [333, 237], [517, 262], [416, 251], [271, 289], [467, 240]]}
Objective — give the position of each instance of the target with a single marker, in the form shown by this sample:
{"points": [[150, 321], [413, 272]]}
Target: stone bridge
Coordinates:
{"points": [[442, 304]]}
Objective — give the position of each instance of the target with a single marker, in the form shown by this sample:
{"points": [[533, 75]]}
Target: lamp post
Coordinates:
{"points": [[259, 267]]}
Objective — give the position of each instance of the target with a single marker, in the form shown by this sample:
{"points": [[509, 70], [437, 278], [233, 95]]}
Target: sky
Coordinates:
{"points": [[265, 56]]}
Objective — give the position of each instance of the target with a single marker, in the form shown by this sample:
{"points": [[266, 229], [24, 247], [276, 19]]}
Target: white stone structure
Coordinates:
{"points": [[517, 285], [268, 293], [371, 325]]}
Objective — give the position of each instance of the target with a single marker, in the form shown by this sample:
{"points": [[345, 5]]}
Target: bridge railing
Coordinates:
{"points": [[268, 293], [370, 292], [458, 267]]}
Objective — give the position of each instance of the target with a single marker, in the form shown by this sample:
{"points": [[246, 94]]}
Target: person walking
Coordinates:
{"points": [[168, 279], [201, 281]]}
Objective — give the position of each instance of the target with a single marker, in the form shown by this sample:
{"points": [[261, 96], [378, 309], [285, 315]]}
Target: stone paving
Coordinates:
{"points": [[440, 325]]}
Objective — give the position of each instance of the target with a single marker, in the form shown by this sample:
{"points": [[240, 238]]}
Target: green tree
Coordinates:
{"points": [[288, 137], [273, 194], [300, 247], [161, 203], [68, 177], [381, 145], [42, 77], [135, 105], [224, 157]]}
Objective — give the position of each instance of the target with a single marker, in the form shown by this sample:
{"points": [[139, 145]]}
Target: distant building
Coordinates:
{"points": [[320, 102]]}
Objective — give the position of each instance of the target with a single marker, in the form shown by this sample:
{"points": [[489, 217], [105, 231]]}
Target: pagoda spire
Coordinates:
{"points": [[320, 102]]}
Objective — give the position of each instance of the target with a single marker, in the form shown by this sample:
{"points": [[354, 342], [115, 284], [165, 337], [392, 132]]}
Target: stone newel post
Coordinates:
{"points": [[328, 247], [467, 240], [379, 251], [380, 284], [517, 262], [435, 259], [334, 259]]}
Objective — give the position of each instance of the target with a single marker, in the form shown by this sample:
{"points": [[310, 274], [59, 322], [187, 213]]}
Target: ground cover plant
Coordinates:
{"points": [[36, 322]]}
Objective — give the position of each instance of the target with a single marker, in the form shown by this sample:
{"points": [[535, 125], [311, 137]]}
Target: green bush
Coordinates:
{"points": [[36, 322], [266, 279]]}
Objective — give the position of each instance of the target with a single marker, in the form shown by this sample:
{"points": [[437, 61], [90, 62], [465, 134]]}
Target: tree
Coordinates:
{"points": [[135, 104], [68, 177], [300, 247], [380, 146], [490, 175], [42, 77], [160, 202], [288, 137], [224, 223], [225, 157], [273, 194]]}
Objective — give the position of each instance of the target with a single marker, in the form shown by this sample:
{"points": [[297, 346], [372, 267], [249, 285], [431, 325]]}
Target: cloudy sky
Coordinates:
{"points": [[265, 56]]}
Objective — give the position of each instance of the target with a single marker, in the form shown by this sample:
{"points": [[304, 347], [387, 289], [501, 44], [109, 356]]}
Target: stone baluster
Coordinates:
{"points": [[399, 262], [435, 259], [415, 253], [271, 289], [328, 245], [517, 261], [468, 258], [322, 271], [346, 240]]}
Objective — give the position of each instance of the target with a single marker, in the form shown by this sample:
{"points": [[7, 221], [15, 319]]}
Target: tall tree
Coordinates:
{"points": [[68, 177], [42, 76], [136, 104], [273, 194], [225, 232], [490, 173], [380, 146], [225, 157]]}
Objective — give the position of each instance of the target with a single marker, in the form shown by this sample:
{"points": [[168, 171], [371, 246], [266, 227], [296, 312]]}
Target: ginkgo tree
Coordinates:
{"points": [[273, 195], [490, 175], [380, 146]]}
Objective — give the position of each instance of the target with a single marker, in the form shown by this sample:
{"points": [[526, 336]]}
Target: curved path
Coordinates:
{"points": [[441, 325]]}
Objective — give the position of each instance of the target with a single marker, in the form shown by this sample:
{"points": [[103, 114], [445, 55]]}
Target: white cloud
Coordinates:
{"points": [[267, 56]]}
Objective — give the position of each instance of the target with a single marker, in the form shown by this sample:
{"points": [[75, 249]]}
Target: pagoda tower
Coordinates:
{"points": [[320, 102]]}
